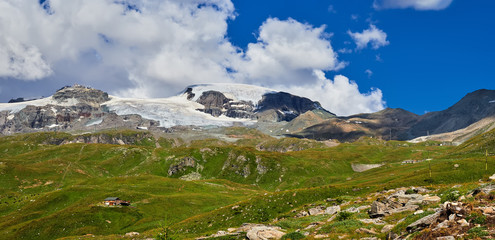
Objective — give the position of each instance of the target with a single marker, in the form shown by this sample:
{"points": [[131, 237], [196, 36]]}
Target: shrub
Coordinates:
{"points": [[450, 196], [477, 232], [410, 191], [343, 215], [477, 218], [293, 236]]}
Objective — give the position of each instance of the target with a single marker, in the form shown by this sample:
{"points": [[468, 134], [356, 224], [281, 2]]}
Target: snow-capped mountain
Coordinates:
{"points": [[79, 108]]}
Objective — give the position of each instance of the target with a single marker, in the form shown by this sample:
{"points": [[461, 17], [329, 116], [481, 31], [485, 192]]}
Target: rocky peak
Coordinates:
{"points": [[81, 93]]}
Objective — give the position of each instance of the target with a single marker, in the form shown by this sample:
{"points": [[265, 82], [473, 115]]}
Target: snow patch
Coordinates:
{"points": [[492, 101], [10, 117], [94, 122], [53, 126], [17, 107], [170, 112], [142, 128]]}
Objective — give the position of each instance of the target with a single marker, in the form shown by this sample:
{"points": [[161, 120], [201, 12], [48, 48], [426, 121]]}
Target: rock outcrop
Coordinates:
{"points": [[276, 107]]}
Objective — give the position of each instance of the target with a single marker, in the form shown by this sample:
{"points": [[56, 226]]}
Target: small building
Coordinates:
{"points": [[115, 201]]}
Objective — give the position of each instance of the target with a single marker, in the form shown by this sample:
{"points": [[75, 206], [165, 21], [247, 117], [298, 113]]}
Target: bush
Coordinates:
{"points": [[343, 215], [477, 218], [477, 232], [293, 236], [450, 196], [410, 191]]}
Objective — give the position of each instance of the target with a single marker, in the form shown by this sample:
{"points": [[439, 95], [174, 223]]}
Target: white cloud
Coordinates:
{"points": [[164, 44], [21, 61], [373, 35], [287, 52], [416, 4], [368, 72], [340, 95], [155, 48]]}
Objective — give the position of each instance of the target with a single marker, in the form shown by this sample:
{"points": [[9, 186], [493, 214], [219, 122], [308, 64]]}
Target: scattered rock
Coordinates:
{"points": [[446, 238], [387, 228], [376, 221], [418, 212], [131, 234], [366, 231], [463, 223]]}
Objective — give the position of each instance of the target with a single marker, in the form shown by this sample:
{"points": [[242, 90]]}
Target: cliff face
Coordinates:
{"points": [[82, 94], [272, 106]]}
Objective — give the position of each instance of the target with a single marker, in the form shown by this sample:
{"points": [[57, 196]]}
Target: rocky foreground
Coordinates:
{"points": [[404, 213]]}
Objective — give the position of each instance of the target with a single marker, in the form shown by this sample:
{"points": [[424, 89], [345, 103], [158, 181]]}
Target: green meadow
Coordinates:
{"points": [[187, 189]]}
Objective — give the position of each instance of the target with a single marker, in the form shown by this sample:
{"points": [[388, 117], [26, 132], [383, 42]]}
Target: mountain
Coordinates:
{"points": [[472, 108], [474, 113], [79, 108], [385, 124]]}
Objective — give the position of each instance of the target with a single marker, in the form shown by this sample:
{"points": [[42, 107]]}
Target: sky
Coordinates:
{"points": [[352, 56]]}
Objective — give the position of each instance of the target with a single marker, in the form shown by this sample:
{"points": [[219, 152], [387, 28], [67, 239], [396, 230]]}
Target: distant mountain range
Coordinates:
{"points": [[78, 108]]}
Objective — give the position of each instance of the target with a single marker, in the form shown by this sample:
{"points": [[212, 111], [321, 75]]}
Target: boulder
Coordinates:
{"points": [[332, 210], [423, 222], [431, 199], [316, 211], [264, 233]]}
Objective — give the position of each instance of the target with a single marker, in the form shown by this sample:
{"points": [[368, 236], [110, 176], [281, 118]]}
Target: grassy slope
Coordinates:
{"points": [[48, 183]]}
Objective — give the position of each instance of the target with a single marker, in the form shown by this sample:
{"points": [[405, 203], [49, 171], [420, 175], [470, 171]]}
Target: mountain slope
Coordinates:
{"points": [[386, 124], [470, 109]]}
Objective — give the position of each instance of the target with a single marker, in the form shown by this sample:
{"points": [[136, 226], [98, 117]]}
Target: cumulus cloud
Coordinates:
{"points": [[22, 61], [416, 4], [161, 44], [287, 52], [373, 35], [155, 48], [340, 95]]}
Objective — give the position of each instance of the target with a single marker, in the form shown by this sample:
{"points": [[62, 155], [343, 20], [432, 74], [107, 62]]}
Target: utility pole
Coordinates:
{"points": [[486, 159], [429, 167]]}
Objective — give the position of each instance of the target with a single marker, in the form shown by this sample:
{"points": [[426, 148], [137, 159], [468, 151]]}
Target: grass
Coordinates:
{"points": [[43, 182]]}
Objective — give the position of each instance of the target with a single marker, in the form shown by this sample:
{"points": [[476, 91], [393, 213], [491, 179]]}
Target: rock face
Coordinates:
{"points": [[82, 94], [70, 108], [278, 106], [287, 106], [182, 165]]}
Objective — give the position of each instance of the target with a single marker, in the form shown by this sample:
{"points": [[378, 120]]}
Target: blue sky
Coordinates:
{"points": [[353, 56], [434, 58]]}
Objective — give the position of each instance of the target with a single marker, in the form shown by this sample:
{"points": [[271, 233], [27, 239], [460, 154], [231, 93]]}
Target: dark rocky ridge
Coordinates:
{"points": [[279, 106]]}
